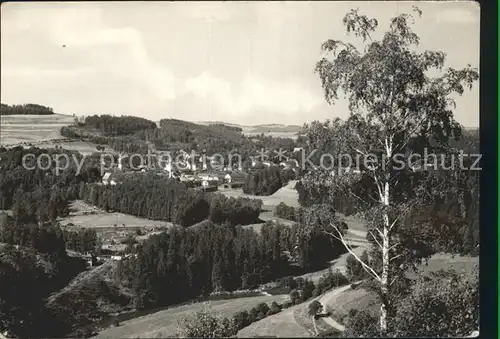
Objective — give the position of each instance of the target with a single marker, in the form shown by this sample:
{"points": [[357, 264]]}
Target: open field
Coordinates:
{"points": [[42, 131], [52, 119], [286, 194], [16, 129], [86, 216], [359, 299], [165, 323], [112, 228]]}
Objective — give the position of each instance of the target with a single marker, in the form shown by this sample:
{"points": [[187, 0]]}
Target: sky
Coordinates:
{"points": [[239, 62]]}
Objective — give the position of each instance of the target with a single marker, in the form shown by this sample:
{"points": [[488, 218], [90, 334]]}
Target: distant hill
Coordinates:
{"points": [[257, 129]]}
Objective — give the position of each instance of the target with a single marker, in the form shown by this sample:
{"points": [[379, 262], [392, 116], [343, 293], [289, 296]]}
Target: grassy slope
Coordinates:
{"points": [[286, 194], [32, 128], [40, 131], [166, 323]]}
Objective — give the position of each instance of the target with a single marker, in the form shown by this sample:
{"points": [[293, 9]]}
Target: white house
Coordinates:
{"points": [[297, 149], [227, 178], [116, 257], [106, 178]]}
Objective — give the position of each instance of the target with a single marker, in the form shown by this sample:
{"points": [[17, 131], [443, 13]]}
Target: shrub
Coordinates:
{"points": [[447, 304], [263, 308], [286, 212], [275, 308], [295, 297], [330, 280], [314, 308], [241, 319], [361, 324], [204, 325]]}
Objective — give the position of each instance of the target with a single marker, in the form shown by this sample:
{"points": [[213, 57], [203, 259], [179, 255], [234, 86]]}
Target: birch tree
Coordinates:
{"points": [[398, 97]]}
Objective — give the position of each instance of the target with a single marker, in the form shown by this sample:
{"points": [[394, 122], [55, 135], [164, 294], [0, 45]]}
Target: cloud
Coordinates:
{"points": [[253, 93], [116, 53]]}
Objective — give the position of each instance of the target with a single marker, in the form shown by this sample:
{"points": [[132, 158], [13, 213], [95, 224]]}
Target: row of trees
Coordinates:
{"points": [[205, 324], [109, 125], [26, 109]]}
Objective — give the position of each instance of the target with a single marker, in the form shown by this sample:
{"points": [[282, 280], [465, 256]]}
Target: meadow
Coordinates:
{"points": [[166, 323]]}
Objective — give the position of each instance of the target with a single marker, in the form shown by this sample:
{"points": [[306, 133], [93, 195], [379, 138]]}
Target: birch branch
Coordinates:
{"points": [[341, 238]]}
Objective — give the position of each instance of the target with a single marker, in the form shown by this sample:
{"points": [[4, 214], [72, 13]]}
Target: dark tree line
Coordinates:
{"points": [[267, 180], [182, 264], [235, 211], [185, 263], [215, 138], [159, 198], [109, 125], [26, 109], [37, 193]]}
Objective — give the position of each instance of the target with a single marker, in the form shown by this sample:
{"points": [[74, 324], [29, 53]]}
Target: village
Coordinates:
{"points": [[199, 171]]}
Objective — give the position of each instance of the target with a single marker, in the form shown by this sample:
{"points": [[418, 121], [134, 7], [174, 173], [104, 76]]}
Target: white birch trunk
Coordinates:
{"points": [[386, 244], [384, 281]]}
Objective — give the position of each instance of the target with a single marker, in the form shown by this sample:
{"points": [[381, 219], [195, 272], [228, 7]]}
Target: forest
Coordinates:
{"points": [[135, 135]]}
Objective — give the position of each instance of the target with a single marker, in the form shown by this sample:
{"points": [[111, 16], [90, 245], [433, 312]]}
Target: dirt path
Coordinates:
{"points": [[327, 299]]}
